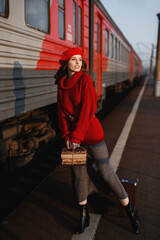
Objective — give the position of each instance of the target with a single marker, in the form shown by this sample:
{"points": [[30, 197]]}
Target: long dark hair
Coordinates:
{"points": [[63, 70]]}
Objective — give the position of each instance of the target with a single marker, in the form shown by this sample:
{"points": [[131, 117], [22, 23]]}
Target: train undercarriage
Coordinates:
{"points": [[22, 135]]}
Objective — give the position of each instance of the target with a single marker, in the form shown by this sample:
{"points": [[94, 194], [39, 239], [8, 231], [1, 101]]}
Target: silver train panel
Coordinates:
{"points": [[116, 72], [19, 43], [23, 90], [113, 78]]}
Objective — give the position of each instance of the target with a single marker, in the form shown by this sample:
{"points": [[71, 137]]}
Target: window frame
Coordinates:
{"points": [[119, 50], [99, 47], [63, 10], [107, 42], [36, 28], [122, 58], [97, 36], [74, 22], [115, 48], [79, 26], [111, 46], [6, 11]]}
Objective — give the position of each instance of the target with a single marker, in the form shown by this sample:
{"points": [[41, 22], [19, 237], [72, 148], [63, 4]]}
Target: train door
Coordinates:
{"points": [[99, 58]]}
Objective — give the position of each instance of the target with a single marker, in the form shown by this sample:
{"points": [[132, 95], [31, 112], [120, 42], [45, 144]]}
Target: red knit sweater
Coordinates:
{"points": [[77, 97]]}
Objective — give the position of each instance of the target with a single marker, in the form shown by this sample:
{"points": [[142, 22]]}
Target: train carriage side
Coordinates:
{"points": [[32, 39], [136, 67], [118, 63], [29, 42], [22, 88]]}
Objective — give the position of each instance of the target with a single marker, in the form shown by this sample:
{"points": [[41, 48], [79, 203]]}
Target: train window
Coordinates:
{"points": [[122, 53], [80, 26], [37, 14], [98, 37], [106, 42], [119, 50], [4, 8], [126, 54], [61, 19], [74, 22], [115, 51], [111, 46]]}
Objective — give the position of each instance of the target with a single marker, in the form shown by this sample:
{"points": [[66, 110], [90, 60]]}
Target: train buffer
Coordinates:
{"points": [[49, 212]]}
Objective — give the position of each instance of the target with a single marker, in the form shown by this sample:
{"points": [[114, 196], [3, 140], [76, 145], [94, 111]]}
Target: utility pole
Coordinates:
{"points": [[157, 79], [151, 62]]}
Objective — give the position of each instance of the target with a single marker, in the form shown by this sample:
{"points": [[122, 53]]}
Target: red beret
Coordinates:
{"points": [[69, 53]]}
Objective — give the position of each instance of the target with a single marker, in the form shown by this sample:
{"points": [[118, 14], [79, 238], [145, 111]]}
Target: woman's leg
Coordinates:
{"points": [[99, 154], [84, 218], [80, 185]]}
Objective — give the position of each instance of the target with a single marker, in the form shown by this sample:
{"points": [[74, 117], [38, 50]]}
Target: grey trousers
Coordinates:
{"points": [[99, 160]]}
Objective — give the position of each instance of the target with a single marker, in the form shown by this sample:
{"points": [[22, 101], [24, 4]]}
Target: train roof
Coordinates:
{"points": [[106, 14]]}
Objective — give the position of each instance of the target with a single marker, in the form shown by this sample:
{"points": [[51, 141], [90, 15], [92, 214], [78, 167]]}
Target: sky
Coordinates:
{"points": [[138, 21]]}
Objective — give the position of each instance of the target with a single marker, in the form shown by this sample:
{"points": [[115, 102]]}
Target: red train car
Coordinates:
{"points": [[33, 35]]}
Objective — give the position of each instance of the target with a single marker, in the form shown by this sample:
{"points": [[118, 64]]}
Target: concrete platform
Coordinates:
{"points": [[50, 213], [140, 159]]}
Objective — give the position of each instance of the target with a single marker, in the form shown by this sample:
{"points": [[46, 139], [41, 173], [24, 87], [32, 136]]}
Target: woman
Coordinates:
{"points": [[77, 103]]}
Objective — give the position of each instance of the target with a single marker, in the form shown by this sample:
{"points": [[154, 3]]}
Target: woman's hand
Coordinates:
{"points": [[68, 144], [71, 145], [75, 145]]}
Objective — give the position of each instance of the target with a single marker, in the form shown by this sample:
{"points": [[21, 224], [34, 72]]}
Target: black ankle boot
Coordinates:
{"points": [[134, 218], [84, 219]]}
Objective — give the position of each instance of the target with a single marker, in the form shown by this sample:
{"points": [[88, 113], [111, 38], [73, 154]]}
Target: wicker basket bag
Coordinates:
{"points": [[71, 157]]}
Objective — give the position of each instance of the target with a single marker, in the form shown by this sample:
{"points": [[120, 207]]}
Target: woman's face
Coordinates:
{"points": [[74, 64]]}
